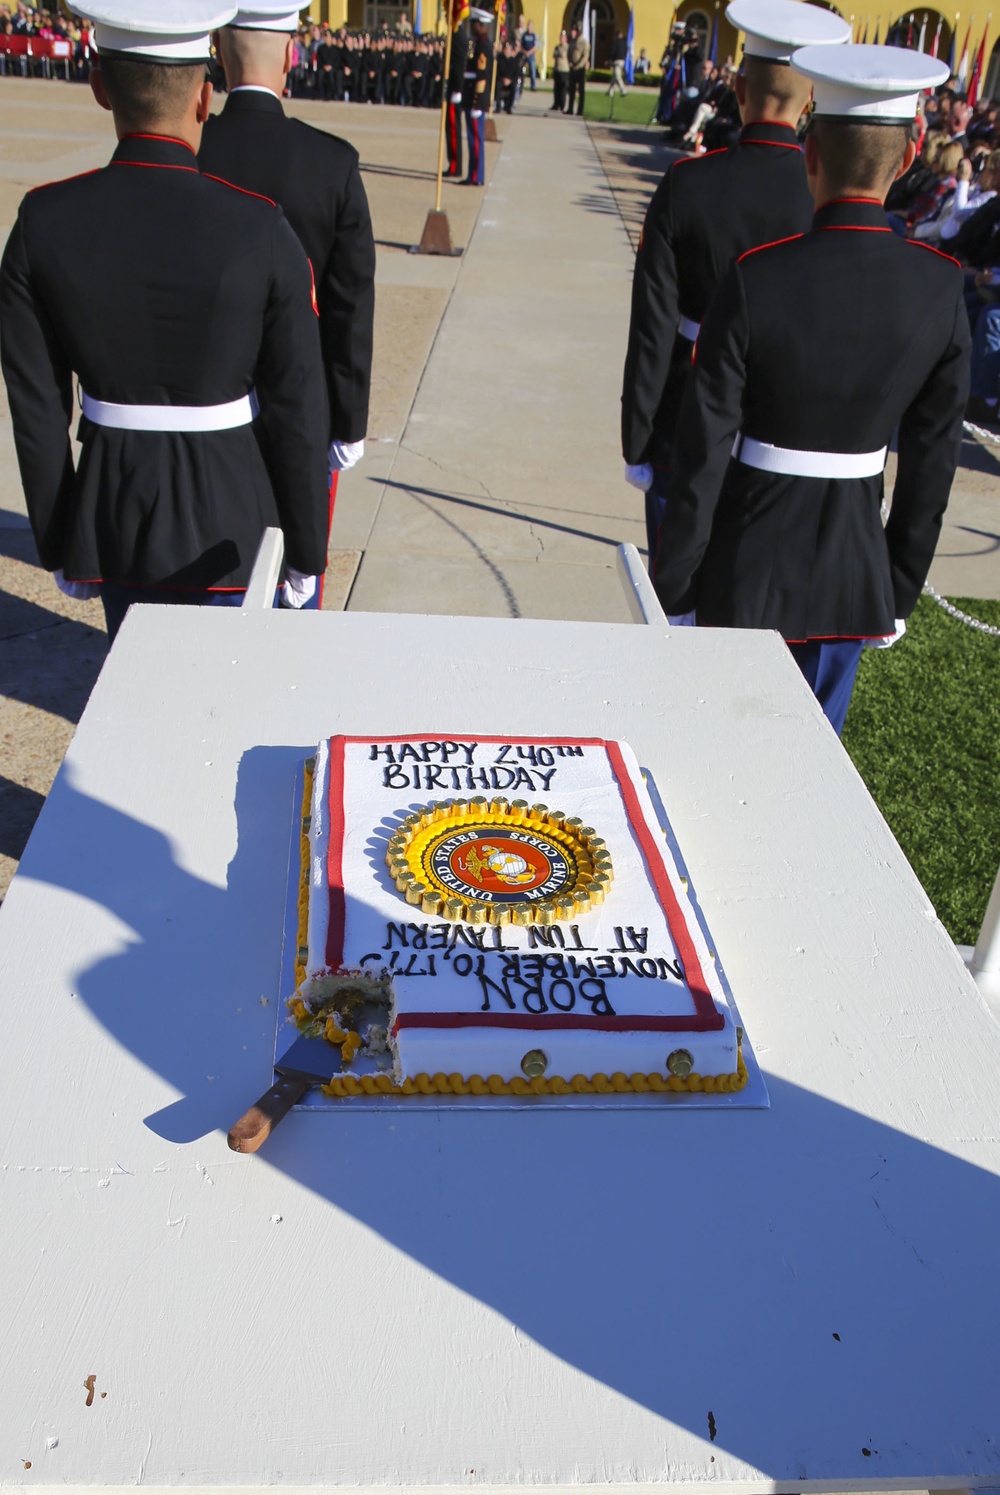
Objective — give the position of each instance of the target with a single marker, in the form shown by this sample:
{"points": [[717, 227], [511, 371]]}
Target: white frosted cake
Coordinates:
{"points": [[501, 916]]}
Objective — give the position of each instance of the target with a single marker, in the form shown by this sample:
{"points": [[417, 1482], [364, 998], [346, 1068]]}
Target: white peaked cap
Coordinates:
{"points": [[261, 16], [156, 30], [880, 85], [476, 14], [773, 29]]}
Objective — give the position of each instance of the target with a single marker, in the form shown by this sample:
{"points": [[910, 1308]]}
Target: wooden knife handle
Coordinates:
{"points": [[259, 1122]]}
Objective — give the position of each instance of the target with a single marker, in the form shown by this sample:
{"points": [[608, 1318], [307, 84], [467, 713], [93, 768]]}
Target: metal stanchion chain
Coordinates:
{"points": [[957, 613], [942, 602]]}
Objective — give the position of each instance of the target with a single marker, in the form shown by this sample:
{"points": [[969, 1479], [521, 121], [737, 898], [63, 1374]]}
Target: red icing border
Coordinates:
{"points": [[707, 1017], [335, 856], [550, 1020]]}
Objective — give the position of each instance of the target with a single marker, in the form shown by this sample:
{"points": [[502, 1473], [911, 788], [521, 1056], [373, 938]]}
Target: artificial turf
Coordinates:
{"points": [[636, 108], [923, 731]]}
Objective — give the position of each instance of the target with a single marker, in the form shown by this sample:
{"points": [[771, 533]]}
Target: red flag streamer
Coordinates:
{"points": [[977, 70]]}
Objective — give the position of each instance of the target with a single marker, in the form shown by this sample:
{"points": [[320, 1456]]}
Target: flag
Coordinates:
{"points": [[937, 37], [878, 30], [417, 23], [909, 31], [459, 11], [543, 61], [963, 65], [630, 44], [972, 92], [923, 33], [713, 49], [951, 54], [865, 36]]}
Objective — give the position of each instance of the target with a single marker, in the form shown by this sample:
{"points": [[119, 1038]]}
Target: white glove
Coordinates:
{"points": [[476, 113], [81, 590], [640, 475], [344, 454], [455, 98], [681, 620], [889, 639], [296, 589]]}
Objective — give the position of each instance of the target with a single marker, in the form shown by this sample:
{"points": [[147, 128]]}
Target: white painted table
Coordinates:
{"points": [[482, 1299]]}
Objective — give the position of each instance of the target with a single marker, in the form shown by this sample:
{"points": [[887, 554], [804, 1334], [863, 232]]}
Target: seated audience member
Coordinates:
{"points": [[922, 217], [709, 107], [971, 193]]}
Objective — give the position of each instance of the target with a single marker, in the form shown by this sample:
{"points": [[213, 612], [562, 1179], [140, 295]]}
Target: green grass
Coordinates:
{"points": [[924, 733], [635, 109]]}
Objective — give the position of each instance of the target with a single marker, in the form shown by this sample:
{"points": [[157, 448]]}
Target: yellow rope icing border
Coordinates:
{"points": [[342, 1087]]}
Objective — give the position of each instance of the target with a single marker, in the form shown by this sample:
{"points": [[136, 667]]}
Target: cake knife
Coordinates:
{"points": [[309, 1062]]}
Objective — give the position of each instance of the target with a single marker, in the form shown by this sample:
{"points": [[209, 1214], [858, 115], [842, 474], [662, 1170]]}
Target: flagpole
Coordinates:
{"points": [[543, 64], [436, 237], [446, 76], [501, 13]]}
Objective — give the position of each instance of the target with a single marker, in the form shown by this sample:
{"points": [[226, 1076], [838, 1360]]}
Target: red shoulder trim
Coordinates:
{"points": [[772, 245], [59, 181], [683, 160], [854, 228], [245, 190], [876, 200], [156, 166], [170, 139], [783, 145], [919, 244]]}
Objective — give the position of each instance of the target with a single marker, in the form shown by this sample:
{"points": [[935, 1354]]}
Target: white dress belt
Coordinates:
{"points": [[689, 329], [170, 417], [800, 464]]}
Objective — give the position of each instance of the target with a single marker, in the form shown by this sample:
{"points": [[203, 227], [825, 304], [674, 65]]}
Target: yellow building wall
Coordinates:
{"points": [[653, 19]]}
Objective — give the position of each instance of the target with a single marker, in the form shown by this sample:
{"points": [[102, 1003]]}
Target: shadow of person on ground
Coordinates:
{"points": [[584, 1229]]}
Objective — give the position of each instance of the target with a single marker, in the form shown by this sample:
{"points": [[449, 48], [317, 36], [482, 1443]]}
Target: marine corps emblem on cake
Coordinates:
{"points": [[496, 861]]}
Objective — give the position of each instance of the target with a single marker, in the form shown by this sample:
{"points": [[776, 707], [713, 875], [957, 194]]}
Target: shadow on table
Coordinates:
{"points": [[585, 1231]]}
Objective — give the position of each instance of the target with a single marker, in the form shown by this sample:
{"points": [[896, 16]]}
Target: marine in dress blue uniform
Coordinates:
{"points": [[315, 179], [184, 308], [476, 93], [813, 352], [707, 210]]}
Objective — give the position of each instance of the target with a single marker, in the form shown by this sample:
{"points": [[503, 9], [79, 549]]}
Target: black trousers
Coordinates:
{"points": [[559, 90], [577, 88]]}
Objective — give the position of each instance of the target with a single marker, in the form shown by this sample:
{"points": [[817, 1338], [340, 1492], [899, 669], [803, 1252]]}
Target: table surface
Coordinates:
{"points": [[749, 1299]]}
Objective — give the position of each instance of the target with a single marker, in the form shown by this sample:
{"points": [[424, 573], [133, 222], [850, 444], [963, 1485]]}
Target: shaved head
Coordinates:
{"points": [[250, 56], [148, 95], [857, 155], [772, 90]]}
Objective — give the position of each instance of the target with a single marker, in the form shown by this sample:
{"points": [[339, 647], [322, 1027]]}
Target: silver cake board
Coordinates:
{"points": [[753, 1096]]}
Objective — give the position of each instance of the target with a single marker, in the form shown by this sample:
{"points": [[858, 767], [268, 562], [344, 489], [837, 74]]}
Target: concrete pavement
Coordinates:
{"points": [[504, 494], [492, 481]]}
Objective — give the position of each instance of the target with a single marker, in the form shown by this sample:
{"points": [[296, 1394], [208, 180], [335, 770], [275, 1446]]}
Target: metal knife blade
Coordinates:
{"points": [[309, 1061]]}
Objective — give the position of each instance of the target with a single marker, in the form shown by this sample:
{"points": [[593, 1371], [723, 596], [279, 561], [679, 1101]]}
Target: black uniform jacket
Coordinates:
{"points": [[158, 286], [478, 74], [315, 179], [706, 211], [824, 343]]}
